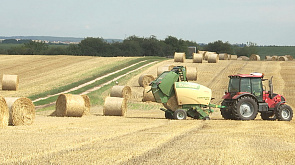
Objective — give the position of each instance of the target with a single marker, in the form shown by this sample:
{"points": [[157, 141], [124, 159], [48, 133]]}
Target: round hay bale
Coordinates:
{"points": [[244, 58], [274, 58], [121, 91], [115, 106], [179, 57], [290, 58], [162, 69], [213, 58], [254, 57], [233, 57], [191, 73], [72, 105], [145, 79], [223, 56], [21, 110], [197, 58], [207, 55], [172, 104], [148, 96], [283, 58], [10, 82], [86, 104], [267, 58], [4, 113]]}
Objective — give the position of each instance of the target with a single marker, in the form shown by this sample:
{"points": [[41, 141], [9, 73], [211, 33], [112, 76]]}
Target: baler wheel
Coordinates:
{"points": [[284, 113], [168, 115], [180, 114]]}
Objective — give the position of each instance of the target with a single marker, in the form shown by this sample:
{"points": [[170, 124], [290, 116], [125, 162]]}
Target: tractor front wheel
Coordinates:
{"points": [[284, 113], [180, 114], [245, 108]]}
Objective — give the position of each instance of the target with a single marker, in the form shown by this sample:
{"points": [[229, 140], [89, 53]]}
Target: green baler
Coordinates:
{"points": [[182, 98]]}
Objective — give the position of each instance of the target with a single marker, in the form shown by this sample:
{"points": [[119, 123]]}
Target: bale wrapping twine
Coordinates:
{"points": [[4, 113], [145, 79], [223, 56], [179, 57], [213, 58], [10, 82], [162, 69], [197, 58], [254, 57], [115, 106], [148, 96], [191, 73], [121, 91], [21, 110], [72, 105]]}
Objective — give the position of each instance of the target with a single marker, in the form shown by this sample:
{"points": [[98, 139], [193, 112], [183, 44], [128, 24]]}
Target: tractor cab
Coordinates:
{"points": [[246, 84], [246, 97]]}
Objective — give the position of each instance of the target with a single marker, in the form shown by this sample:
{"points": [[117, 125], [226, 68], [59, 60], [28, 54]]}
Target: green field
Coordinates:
{"points": [[276, 50]]}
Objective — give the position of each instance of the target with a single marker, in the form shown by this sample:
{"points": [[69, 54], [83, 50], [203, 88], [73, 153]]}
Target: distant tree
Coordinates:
{"points": [[93, 46], [219, 47], [247, 50], [74, 49], [33, 47]]}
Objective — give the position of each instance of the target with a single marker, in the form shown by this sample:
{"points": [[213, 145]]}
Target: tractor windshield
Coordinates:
{"points": [[234, 84]]}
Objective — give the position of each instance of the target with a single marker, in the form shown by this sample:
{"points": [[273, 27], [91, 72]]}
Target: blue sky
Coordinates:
{"points": [[265, 22]]}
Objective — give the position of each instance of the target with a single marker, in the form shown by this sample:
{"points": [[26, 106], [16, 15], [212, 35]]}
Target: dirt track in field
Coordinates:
{"points": [[144, 136]]}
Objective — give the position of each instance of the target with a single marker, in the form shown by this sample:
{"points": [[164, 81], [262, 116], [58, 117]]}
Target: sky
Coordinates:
{"points": [[264, 22]]}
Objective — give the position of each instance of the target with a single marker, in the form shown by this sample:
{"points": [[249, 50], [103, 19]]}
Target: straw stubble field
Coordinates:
{"points": [[144, 136]]}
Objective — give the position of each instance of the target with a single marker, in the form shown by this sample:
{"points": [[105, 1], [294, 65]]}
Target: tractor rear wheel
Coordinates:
{"points": [[284, 113], [245, 108], [180, 114]]}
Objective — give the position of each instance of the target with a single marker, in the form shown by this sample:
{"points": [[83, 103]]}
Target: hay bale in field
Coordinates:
{"points": [[179, 57], [202, 52], [197, 58], [21, 110], [191, 73], [162, 69], [10, 82], [121, 91], [4, 113], [254, 57], [148, 96], [87, 104], [290, 58], [267, 58], [207, 55], [233, 57], [283, 58], [223, 56], [115, 106], [243, 58], [72, 105], [213, 58], [145, 79], [172, 104], [274, 58]]}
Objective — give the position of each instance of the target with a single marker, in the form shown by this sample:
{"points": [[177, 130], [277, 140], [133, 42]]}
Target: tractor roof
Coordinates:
{"points": [[259, 75]]}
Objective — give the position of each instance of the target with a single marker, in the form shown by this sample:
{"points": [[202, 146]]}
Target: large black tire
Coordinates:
{"points": [[245, 108], [180, 114], [226, 113], [284, 113], [268, 116]]}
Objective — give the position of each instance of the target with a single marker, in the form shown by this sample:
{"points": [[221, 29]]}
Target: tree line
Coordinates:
{"points": [[131, 46]]}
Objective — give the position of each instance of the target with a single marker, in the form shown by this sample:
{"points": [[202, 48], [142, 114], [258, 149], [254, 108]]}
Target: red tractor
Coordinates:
{"points": [[246, 96]]}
